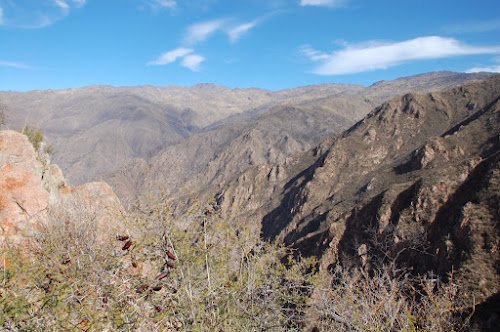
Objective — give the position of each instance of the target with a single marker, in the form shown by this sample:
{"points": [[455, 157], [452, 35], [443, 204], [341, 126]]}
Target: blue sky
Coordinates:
{"points": [[270, 44]]}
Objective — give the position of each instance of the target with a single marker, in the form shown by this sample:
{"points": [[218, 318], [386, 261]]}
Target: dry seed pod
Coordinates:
{"points": [[170, 265], [122, 237], [170, 255], [162, 275], [157, 288], [142, 288], [127, 245], [134, 262]]}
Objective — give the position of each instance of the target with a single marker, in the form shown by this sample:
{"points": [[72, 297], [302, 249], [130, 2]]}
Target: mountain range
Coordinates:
{"points": [[110, 125]]}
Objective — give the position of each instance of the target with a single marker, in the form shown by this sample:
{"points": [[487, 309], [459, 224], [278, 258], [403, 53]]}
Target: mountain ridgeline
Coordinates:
{"points": [[207, 160], [110, 126]]}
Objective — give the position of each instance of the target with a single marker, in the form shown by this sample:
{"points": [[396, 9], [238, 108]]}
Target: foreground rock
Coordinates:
{"points": [[32, 192]]}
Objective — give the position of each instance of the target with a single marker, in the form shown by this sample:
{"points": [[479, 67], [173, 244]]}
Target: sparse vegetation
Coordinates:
{"points": [[41, 146], [3, 116], [359, 301], [35, 136], [200, 272], [223, 277]]}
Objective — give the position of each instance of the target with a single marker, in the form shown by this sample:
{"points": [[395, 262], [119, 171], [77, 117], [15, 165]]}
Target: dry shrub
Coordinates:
{"points": [[72, 277], [200, 272], [359, 301]]}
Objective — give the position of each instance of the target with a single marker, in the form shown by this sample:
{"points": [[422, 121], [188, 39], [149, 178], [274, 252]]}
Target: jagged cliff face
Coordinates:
{"points": [[32, 191], [415, 184]]}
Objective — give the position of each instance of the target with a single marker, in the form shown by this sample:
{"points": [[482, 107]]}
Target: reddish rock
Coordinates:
{"points": [[30, 191]]}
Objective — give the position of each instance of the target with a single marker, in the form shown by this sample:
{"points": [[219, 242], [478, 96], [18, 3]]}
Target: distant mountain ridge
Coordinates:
{"points": [[206, 160], [111, 126]]}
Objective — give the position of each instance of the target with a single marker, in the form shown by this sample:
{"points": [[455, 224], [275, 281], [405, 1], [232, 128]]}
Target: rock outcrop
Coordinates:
{"points": [[32, 191]]}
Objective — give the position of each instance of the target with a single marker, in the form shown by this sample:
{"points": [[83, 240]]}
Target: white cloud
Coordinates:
{"points": [[16, 65], [170, 56], [62, 4], [200, 32], [372, 55], [158, 4], [65, 5], [490, 69], [323, 3], [312, 54], [193, 61], [36, 14], [189, 60], [235, 33]]}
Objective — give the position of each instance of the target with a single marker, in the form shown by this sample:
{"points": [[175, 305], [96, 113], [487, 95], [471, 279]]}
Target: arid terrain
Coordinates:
{"points": [[402, 177]]}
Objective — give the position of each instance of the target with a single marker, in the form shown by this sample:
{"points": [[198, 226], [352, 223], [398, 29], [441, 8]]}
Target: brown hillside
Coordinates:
{"points": [[206, 161], [414, 185]]}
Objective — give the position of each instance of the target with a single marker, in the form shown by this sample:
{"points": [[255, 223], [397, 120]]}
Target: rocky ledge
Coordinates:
{"points": [[32, 191]]}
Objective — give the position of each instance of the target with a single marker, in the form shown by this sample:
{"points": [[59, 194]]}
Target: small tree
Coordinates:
{"points": [[3, 110]]}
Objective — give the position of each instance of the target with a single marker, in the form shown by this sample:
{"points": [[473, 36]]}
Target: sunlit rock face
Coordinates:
{"points": [[32, 191]]}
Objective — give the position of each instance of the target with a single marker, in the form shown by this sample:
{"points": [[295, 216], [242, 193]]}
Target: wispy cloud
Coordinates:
{"points": [[12, 64], [36, 14], [170, 56], [200, 32], [375, 55], [159, 4], [313, 54], [235, 33], [489, 69], [473, 27], [66, 4], [189, 59], [62, 4], [495, 68], [323, 3], [193, 61]]}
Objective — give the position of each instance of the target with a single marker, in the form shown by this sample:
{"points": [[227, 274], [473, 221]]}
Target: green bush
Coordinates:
{"points": [[3, 118], [35, 136]]}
